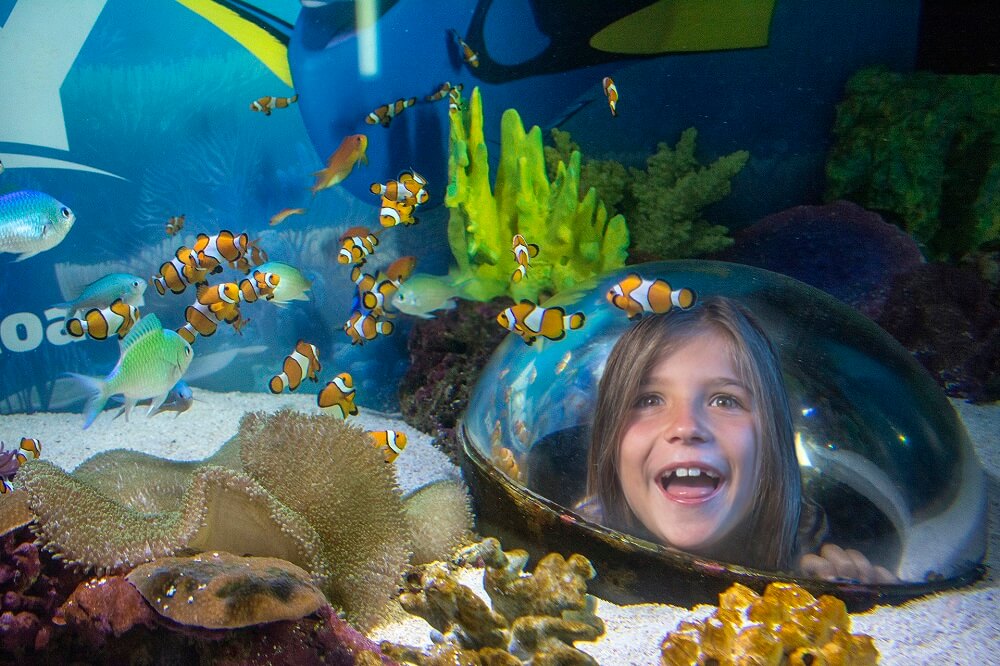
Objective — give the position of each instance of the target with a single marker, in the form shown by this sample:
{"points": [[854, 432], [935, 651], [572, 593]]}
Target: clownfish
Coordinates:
{"points": [[261, 285], [175, 224], [393, 213], [374, 300], [30, 449], [363, 328], [364, 281], [531, 321], [443, 91], [284, 214], [392, 442], [180, 271], [341, 162], [611, 92], [101, 323], [455, 99], [355, 245], [415, 185], [301, 364], [637, 296], [200, 320], [267, 103], [223, 300], [384, 114], [224, 247], [337, 397], [523, 253], [470, 57]]}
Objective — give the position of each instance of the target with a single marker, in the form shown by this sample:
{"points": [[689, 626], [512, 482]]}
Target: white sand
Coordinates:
{"points": [[957, 627]]}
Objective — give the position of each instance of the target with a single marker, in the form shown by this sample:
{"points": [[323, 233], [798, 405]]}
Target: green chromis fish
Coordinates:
{"points": [[152, 361], [291, 287], [106, 290], [422, 294], [32, 222]]}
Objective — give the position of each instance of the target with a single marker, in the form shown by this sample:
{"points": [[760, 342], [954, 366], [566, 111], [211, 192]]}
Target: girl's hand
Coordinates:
{"points": [[833, 563]]}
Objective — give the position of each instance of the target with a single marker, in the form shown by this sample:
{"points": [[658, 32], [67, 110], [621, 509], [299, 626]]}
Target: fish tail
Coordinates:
{"points": [[98, 398]]}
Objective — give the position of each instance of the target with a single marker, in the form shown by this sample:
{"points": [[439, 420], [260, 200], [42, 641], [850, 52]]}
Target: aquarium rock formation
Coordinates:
{"points": [[576, 236], [785, 625]]}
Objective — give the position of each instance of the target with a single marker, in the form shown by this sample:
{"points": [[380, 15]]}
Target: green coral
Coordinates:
{"points": [[577, 237], [534, 617], [662, 203], [307, 489], [923, 149]]}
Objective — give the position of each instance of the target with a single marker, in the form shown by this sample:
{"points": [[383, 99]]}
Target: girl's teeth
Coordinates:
{"points": [[694, 471]]}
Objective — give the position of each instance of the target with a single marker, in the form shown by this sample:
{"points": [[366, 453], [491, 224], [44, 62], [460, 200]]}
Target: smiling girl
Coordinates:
{"points": [[692, 444]]}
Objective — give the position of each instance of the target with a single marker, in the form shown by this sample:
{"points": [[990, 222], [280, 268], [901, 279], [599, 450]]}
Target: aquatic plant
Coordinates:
{"points": [[344, 523], [924, 150], [577, 237], [440, 520], [661, 204], [536, 617], [784, 625]]}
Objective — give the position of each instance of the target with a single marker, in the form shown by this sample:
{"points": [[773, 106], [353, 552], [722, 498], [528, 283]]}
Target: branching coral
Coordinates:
{"points": [[344, 523], [661, 204], [925, 148], [536, 617], [786, 625], [576, 236]]}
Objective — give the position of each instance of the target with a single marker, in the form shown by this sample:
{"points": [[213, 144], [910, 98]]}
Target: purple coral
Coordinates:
{"points": [[8, 461]]}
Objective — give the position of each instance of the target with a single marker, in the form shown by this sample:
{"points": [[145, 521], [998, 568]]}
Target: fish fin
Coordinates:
{"points": [[154, 406], [98, 398], [22, 257], [145, 326]]}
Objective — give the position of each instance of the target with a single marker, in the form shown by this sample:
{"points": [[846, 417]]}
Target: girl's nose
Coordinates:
{"points": [[686, 425]]}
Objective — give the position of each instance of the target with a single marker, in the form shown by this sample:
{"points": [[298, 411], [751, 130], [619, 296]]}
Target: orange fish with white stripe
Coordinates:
{"points": [[269, 103], [355, 245], [301, 364], [261, 285], [384, 114], [101, 323], [523, 253], [393, 213], [363, 328], [337, 397], [444, 90], [175, 224], [392, 443], [470, 57], [341, 162], [532, 321], [611, 92], [223, 300], [637, 296], [180, 271]]}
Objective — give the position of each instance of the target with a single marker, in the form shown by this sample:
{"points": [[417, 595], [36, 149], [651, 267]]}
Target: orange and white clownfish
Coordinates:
{"points": [[175, 224], [531, 321], [523, 253], [363, 328], [393, 213], [101, 323], [198, 320], [444, 90], [611, 92], [364, 281], [224, 247], [470, 57], [30, 449], [261, 285], [337, 397], [223, 300], [455, 100], [384, 114], [302, 363], [356, 244], [254, 256], [267, 103], [415, 185], [284, 214], [180, 271], [375, 299], [637, 296], [392, 443]]}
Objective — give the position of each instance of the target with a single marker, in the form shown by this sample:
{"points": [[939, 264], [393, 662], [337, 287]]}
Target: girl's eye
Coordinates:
{"points": [[725, 401], [647, 400]]}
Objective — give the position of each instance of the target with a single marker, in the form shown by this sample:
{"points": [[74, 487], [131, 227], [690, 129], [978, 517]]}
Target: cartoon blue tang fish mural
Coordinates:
{"points": [[348, 59]]}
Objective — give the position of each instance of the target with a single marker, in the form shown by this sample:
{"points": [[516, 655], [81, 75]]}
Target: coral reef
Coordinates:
{"points": [[662, 204], [924, 150], [577, 237], [949, 318], [446, 356], [343, 523], [223, 591], [786, 625], [536, 617], [841, 248]]}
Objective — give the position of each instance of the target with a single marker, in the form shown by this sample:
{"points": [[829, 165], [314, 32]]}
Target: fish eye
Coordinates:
{"points": [[65, 212]]}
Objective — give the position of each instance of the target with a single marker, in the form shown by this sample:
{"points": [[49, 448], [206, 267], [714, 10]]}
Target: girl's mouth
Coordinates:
{"points": [[690, 484]]}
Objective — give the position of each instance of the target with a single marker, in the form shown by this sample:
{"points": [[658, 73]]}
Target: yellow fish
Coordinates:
{"points": [[392, 443]]}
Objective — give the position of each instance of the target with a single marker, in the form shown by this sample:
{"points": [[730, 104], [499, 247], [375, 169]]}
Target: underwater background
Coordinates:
{"points": [[851, 146]]}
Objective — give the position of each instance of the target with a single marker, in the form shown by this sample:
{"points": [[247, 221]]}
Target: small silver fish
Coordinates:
{"points": [[106, 290], [32, 222], [422, 294]]}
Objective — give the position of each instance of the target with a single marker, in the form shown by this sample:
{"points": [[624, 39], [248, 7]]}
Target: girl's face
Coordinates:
{"points": [[688, 456]]}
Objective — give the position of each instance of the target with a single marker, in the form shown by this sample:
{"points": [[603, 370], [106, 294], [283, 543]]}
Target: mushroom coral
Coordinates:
{"points": [[343, 522]]}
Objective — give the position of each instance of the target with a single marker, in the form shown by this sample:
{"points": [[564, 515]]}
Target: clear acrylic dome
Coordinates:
{"points": [[880, 448]]}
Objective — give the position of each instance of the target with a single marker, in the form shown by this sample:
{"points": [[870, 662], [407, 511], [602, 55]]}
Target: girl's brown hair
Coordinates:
{"points": [[767, 539]]}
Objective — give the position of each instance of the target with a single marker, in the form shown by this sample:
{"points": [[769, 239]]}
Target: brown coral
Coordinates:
{"points": [[787, 625], [440, 520]]}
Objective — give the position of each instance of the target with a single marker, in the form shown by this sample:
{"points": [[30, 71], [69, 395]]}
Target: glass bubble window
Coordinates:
{"points": [[880, 448]]}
